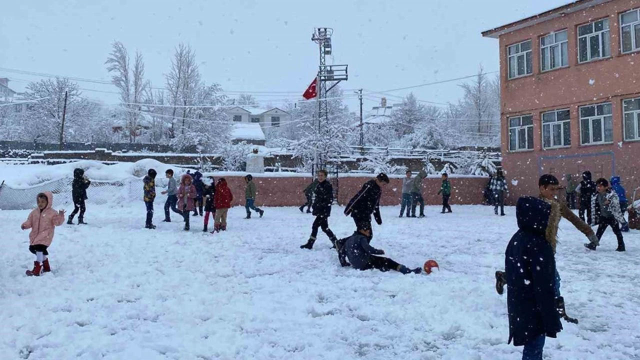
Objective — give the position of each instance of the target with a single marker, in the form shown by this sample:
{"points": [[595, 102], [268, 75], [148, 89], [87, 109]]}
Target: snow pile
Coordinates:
{"points": [[119, 291]]}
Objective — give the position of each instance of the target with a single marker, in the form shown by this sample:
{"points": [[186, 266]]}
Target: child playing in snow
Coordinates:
{"points": [[607, 207], [149, 189], [407, 184], [42, 222], [172, 197], [445, 190], [622, 197], [209, 208], [366, 203], [199, 184], [222, 202], [321, 210], [364, 257], [186, 198], [79, 195], [250, 197], [530, 267]]}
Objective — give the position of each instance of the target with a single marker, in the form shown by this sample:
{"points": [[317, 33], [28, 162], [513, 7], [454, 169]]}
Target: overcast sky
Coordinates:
{"points": [[262, 46]]}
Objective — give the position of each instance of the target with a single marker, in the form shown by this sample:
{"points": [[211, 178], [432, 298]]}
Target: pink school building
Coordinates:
{"points": [[570, 82]]}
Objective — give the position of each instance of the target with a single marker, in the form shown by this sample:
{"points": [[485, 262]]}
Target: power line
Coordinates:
{"points": [[438, 82]]}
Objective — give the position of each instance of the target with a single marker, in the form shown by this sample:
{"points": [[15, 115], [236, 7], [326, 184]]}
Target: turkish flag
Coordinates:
{"points": [[311, 90]]}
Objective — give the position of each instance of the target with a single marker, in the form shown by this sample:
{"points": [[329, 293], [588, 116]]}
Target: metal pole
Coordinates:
{"points": [[361, 124], [64, 113]]}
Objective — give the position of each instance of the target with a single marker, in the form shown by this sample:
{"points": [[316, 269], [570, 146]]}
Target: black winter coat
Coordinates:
{"points": [[366, 202], [209, 193], [79, 186], [324, 199], [530, 268], [587, 187]]}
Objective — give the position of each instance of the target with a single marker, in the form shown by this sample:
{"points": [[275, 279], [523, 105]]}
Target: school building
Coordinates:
{"points": [[570, 93]]}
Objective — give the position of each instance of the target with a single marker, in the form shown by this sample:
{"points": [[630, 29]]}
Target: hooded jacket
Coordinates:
{"points": [[311, 188], [150, 186], [617, 187], [79, 186], [571, 184], [416, 185], [43, 223], [611, 210], [359, 252], [197, 182], [209, 194], [186, 194], [530, 268], [366, 202], [587, 187], [407, 185], [224, 197]]}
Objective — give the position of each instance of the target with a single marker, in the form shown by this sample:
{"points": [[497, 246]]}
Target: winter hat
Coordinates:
{"points": [[249, 177], [152, 173], [78, 173], [383, 177]]}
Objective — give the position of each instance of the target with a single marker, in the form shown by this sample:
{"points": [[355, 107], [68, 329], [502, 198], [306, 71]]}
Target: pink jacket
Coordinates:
{"points": [[43, 223], [186, 194]]}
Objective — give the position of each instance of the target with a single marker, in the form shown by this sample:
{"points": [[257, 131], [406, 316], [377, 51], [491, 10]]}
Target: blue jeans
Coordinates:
{"points": [[406, 203], [171, 202], [249, 206], [533, 349], [149, 206]]}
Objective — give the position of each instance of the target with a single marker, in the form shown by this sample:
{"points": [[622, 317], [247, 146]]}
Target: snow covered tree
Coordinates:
{"points": [[483, 167], [448, 168], [380, 162], [131, 84]]}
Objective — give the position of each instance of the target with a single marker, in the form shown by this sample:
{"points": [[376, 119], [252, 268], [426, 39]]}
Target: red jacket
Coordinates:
{"points": [[223, 196]]}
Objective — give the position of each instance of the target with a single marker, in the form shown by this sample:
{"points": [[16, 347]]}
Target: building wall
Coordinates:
{"points": [[608, 80]]}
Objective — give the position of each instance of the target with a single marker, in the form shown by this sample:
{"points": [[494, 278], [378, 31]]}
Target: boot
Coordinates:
{"points": [[70, 220], [45, 266], [205, 228], [248, 216], [309, 244], [223, 227], [81, 221], [501, 281], [620, 246], [308, 211], [37, 269], [591, 246], [150, 226], [562, 312], [625, 228], [342, 257], [495, 211], [216, 228], [186, 226], [301, 209], [262, 212], [333, 242], [166, 220]]}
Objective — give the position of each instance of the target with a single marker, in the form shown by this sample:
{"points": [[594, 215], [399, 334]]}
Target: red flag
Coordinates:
{"points": [[311, 90]]}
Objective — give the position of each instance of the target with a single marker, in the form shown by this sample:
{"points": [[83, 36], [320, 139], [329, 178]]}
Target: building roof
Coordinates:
{"points": [[244, 131], [8, 88], [255, 110], [572, 7], [380, 115]]}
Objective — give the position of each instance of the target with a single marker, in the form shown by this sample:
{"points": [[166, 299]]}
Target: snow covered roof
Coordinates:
{"points": [[244, 131], [380, 115], [254, 110]]}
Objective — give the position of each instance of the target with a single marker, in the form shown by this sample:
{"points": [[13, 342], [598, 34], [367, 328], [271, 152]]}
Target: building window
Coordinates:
{"points": [[631, 108], [275, 121], [554, 51], [237, 118], [521, 133], [255, 119], [556, 129], [630, 30], [520, 63], [596, 124], [593, 41]]}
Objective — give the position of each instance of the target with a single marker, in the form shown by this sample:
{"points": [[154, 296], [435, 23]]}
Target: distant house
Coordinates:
{"points": [[267, 117], [248, 133], [10, 96], [380, 115]]}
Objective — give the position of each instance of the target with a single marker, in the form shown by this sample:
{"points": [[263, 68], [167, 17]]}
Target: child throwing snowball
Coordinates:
{"points": [[42, 222]]}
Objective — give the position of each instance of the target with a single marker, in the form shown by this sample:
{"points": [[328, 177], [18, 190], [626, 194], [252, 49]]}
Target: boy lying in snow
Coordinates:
{"points": [[364, 257]]}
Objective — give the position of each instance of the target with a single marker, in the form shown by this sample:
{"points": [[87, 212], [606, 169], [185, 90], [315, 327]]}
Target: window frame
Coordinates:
{"points": [[636, 121], [591, 119], [589, 36], [516, 55], [236, 117], [632, 26], [253, 118], [550, 124], [277, 122], [558, 44], [519, 127]]}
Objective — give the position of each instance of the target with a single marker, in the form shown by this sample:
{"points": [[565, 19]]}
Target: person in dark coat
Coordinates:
{"points": [[79, 194], [498, 186], [308, 194], [209, 194], [365, 257], [606, 207], [586, 188], [531, 276], [321, 210], [622, 197], [149, 189], [367, 202], [199, 184]]}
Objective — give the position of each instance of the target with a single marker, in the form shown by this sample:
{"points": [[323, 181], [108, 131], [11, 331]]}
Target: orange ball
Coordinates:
{"points": [[429, 265]]}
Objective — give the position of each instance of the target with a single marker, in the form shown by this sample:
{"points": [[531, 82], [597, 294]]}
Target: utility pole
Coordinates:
{"points": [[359, 92], [326, 74], [64, 114]]}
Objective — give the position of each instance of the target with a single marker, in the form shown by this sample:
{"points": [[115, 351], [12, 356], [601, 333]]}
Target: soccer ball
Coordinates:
{"points": [[429, 265]]}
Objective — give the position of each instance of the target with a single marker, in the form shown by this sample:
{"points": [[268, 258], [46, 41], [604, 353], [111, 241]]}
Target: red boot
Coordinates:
{"points": [[37, 269], [45, 266]]}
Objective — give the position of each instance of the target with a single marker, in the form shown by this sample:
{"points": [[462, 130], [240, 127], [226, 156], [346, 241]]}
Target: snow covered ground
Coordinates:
{"points": [[119, 291]]}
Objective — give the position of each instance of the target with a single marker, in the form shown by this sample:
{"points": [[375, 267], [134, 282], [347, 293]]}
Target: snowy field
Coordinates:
{"points": [[119, 291]]}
